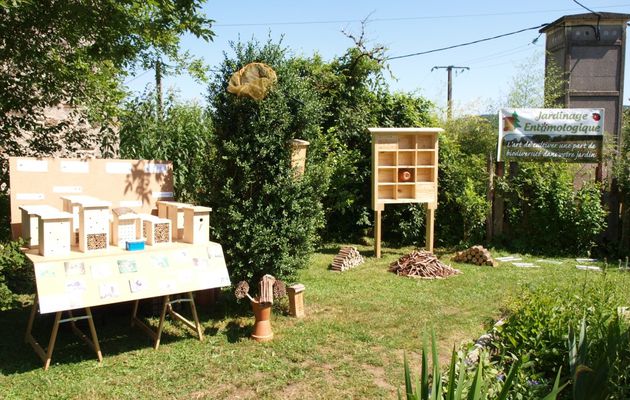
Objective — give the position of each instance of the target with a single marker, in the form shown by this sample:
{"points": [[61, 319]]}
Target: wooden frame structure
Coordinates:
{"points": [[46, 355], [404, 170], [167, 305]]}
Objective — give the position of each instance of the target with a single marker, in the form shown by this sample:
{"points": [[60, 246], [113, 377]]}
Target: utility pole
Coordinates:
{"points": [[158, 87], [449, 96]]}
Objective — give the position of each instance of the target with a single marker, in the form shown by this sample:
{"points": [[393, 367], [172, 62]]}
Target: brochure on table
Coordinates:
{"points": [[113, 276]]}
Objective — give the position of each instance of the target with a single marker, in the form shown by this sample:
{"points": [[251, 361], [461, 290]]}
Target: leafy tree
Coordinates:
{"points": [[356, 97], [183, 135], [266, 218], [465, 147], [75, 52]]}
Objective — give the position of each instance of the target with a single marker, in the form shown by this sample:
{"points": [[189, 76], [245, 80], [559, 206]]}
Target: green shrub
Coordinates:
{"points": [[182, 135], [538, 322], [355, 97], [16, 273], [546, 214], [266, 219], [462, 184]]}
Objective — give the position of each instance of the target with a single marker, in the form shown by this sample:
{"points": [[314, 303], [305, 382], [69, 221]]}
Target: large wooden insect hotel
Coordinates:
{"points": [[404, 170]]}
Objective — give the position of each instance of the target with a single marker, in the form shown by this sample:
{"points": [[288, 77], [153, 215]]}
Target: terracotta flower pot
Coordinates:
{"points": [[262, 325]]}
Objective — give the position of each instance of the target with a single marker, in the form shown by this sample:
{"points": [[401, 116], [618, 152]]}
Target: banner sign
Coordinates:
{"points": [[551, 134]]}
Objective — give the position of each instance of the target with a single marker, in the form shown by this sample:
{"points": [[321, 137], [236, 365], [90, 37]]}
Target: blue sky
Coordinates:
{"points": [[403, 27]]}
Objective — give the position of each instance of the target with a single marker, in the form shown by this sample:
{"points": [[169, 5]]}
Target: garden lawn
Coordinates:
{"points": [[358, 324]]}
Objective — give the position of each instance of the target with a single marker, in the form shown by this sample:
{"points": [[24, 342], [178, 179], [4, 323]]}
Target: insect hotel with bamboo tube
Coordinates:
{"points": [[404, 170]]}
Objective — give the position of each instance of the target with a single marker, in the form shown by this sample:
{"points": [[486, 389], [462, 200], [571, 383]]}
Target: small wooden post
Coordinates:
{"points": [[430, 225], [377, 233], [498, 204], [296, 300]]}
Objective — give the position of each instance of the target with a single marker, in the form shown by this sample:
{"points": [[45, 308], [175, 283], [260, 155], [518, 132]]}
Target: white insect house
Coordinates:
{"points": [[54, 228], [125, 226], [72, 205], [155, 230], [174, 211], [30, 222], [94, 225], [197, 224]]}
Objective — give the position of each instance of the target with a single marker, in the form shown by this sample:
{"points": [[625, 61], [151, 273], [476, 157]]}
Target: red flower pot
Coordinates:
{"points": [[262, 325]]}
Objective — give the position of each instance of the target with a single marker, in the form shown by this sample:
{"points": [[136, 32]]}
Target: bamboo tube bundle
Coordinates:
{"points": [[422, 264], [348, 257], [477, 255]]}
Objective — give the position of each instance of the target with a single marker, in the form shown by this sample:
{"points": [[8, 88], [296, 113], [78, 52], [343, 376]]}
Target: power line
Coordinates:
{"points": [[586, 8], [398, 19], [137, 76], [498, 54], [467, 43]]}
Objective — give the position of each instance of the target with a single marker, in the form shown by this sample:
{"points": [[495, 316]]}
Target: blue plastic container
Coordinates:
{"points": [[135, 245]]}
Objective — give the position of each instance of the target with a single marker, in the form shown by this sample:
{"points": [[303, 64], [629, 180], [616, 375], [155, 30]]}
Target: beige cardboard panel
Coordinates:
{"points": [[136, 184], [115, 275]]}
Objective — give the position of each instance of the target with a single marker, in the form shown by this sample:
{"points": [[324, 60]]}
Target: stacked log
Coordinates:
{"points": [[422, 264], [475, 255], [348, 257]]}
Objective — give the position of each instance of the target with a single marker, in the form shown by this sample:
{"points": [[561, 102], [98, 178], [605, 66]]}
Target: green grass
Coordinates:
{"points": [[350, 345]]}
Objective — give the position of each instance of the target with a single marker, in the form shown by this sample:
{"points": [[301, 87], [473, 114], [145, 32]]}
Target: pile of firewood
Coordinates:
{"points": [[348, 257], [422, 264], [475, 255]]}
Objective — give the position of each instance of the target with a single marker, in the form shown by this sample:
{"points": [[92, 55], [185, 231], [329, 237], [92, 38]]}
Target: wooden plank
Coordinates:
{"points": [[377, 234], [430, 227]]}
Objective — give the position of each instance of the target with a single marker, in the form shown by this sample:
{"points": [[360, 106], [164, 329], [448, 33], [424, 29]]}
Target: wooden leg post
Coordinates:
{"points": [[430, 227], [53, 339], [168, 306], [377, 233], [161, 325], [46, 356]]}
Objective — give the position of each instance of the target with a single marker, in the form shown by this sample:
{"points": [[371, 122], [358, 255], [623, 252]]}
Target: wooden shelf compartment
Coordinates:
{"points": [[386, 192], [406, 175], [425, 158], [386, 158], [387, 174], [425, 142], [387, 142], [424, 174], [406, 191], [406, 142], [406, 158]]}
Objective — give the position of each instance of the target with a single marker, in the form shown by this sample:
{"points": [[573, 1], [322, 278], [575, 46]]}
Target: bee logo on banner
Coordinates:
{"points": [[551, 134]]}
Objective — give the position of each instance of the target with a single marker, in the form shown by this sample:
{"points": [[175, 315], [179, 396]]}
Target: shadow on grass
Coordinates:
{"points": [[114, 331], [236, 332]]}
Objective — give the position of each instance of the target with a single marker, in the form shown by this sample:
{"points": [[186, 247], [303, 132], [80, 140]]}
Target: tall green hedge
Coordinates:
{"points": [[266, 219]]}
